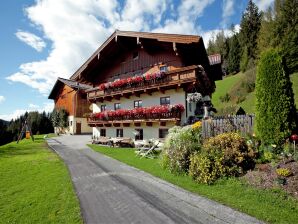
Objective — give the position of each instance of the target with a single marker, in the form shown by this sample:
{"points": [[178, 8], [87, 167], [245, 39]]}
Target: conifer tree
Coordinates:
{"points": [[250, 26], [275, 108]]}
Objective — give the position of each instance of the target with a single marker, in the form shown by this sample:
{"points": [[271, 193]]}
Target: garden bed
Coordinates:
{"points": [[265, 177]]}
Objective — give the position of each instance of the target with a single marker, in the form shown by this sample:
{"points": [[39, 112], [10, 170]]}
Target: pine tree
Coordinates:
{"points": [[275, 108], [234, 54], [250, 26], [287, 31]]}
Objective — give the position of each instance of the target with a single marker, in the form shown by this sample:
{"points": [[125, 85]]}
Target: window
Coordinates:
{"points": [[103, 108], [117, 106], [162, 133], [138, 103], [139, 134], [190, 106], [135, 55], [165, 100], [70, 123], [103, 132], [119, 132], [163, 68]]}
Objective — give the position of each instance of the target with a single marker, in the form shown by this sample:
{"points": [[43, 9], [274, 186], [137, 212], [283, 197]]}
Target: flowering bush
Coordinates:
{"points": [[223, 155], [196, 125], [102, 86], [180, 143]]}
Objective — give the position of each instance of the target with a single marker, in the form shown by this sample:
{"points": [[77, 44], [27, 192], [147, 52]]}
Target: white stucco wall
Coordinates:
{"points": [[148, 132], [176, 97]]}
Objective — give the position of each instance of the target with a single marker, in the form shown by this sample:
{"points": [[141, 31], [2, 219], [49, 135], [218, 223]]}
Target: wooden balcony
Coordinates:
{"points": [[138, 118], [171, 79]]}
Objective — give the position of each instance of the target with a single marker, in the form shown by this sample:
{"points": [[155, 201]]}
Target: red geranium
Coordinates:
{"points": [[102, 86]]}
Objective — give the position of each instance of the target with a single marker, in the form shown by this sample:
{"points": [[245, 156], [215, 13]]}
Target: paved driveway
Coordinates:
{"points": [[112, 192]]}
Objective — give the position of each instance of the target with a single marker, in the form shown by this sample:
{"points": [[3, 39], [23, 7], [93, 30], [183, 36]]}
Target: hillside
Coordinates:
{"points": [[225, 86]]}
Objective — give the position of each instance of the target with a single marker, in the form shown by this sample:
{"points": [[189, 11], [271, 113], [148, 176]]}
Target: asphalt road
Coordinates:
{"points": [[112, 192]]}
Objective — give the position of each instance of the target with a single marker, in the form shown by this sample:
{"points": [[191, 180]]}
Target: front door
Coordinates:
{"points": [[78, 128]]}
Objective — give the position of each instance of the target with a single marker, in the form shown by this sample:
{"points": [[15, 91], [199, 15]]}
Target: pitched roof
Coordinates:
{"points": [[163, 37], [71, 83]]}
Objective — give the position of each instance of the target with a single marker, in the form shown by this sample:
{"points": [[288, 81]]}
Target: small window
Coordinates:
{"points": [[119, 132], [139, 134], [103, 132], [163, 68], [190, 107], [103, 108], [117, 106], [138, 103], [70, 123], [135, 55], [165, 100], [163, 133]]}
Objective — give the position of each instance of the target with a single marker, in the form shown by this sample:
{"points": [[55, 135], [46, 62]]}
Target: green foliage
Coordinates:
{"points": [[59, 118], [275, 108], [234, 54], [225, 98], [35, 186], [223, 155], [180, 143], [250, 26]]}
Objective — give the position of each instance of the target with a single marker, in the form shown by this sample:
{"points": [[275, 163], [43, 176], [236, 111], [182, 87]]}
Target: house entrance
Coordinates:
{"points": [[78, 128]]}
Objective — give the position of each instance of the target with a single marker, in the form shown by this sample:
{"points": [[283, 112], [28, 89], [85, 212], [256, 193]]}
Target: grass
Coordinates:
{"points": [[270, 206], [249, 104], [35, 186]]}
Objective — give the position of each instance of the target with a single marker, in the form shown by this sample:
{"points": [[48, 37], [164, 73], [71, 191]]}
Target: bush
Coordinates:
{"points": [[275, 108], [223, 155], [225, 98], [283, 172], [179, 145]]}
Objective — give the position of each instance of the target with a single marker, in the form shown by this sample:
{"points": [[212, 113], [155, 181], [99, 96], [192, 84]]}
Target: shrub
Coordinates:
{"points": [[223, 155], [275, 109], [180, 143], [225, 98], [283, 172]]}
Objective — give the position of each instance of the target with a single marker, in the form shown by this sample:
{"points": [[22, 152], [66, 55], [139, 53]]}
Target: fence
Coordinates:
{"points": [[218, 125]]}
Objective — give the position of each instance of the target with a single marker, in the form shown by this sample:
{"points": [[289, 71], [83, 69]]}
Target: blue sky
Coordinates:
{"points": [[45, 39]]}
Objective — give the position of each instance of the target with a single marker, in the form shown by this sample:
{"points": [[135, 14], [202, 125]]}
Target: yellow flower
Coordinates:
{"points": [[198, 124]]}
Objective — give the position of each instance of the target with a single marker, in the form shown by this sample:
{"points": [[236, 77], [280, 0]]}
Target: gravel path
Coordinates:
{"points": [[112, 192]]}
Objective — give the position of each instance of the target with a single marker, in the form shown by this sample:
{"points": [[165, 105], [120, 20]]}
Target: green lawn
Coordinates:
{"points": [[249, 104], [35, 186], [270, 206]]}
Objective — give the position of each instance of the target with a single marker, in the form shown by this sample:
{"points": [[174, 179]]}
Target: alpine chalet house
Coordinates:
{"points": [[145, 83], [70, 95]]}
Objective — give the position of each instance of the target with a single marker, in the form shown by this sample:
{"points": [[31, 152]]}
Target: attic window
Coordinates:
{"points": [[135, 55], [163, 68]]}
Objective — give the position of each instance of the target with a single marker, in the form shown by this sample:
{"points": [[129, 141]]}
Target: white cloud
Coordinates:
{"points": [[212, 33], [2, 98], [263, 4], [31, 39], [77, 28], [47, 107], [227, 11]]}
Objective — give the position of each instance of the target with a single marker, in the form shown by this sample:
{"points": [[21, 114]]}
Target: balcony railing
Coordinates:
{"points": [[172, 78], [175, 116]]}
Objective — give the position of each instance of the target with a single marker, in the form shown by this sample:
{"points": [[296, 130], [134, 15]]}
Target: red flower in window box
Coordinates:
{"points": [[102, 86]]}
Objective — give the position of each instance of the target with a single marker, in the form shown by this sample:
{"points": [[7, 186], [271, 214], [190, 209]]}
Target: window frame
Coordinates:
{"points": [[116, 108], [141, 134], [120, 130], [138, 103], [103, 106], [165, 98], [103, 130], [161, 132]]}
